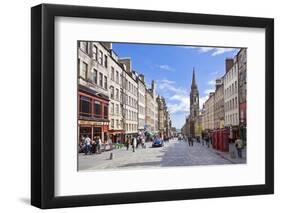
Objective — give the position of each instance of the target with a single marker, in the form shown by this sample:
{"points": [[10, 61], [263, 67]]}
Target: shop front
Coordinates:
{"points": [[93, 129], [92, 115], [117, 135]]}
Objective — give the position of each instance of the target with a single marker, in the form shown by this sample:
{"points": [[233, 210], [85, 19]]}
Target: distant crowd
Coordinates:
{"points": [[131, 142]]}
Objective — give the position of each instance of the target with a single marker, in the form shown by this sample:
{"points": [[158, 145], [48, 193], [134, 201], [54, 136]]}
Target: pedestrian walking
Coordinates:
{"points": [[208, 141], [81, 145], [87, 145], [127, 143], [134, 143], [239, 146], [110, 143], [138, 141], [143, 143], [98, 142], [93, 146]]}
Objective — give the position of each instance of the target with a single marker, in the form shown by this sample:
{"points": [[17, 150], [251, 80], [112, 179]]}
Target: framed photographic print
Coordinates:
{"points": [[136, 106]]}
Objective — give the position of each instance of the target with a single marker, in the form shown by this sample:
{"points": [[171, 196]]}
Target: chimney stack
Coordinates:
{"points": [[108, 45], [228, 64], [152, 85], [127, 62], [218, 83], [141, 77]]}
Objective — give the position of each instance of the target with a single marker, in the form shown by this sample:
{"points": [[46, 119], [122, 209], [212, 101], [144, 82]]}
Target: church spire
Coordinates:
{"points": [[193, 85]]}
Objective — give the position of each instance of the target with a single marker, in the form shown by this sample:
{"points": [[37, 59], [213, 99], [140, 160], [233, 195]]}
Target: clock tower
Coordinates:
{"points": [[194, 104]]}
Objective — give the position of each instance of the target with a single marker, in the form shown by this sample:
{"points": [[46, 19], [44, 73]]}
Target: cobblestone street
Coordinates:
{"points": [[174, 153]]}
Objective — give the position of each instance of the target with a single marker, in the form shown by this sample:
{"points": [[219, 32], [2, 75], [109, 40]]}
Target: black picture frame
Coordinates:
{"points": [[43, 105]]}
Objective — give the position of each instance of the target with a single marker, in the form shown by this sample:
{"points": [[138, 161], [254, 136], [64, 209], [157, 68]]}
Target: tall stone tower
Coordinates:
{"points": [[194, 98], [194, 105]]}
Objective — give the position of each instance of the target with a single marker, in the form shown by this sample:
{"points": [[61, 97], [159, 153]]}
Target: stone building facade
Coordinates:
{"points": [[231, 102], [115, 71], [93, 95], [242, 90], [163, 118], [149, 115], [209, 112], [113, 100], [151, 112], [141, 102], [130, 93], [198, 125], [219, 105]]}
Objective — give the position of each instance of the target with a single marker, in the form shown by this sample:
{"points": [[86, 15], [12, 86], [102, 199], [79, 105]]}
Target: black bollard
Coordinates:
{"points": [[111, 156]]}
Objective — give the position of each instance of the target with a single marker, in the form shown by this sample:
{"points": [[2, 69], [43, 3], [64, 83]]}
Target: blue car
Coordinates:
{"points": [[158, 143]]}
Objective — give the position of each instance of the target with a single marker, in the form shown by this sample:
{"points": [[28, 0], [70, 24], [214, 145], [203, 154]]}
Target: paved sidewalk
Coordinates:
{"points": [[232, 155], [174, 153]]}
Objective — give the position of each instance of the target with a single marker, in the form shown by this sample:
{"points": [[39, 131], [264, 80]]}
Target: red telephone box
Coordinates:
{"points": [[225, 139]]}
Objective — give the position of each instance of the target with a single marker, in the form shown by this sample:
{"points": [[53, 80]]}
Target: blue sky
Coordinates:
{"points": [[171, 67]]}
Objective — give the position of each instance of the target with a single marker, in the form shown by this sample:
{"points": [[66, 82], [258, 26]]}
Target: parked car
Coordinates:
{"points": [[158, 142]]}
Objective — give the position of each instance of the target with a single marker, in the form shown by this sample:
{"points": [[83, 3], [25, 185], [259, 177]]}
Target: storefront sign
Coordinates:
{"points": [[96, 123]]}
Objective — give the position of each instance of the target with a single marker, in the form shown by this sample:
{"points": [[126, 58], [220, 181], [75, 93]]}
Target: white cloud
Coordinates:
{"points": [[167, 85], [215, 50], [202, 100], [207, 91], [166, 81], [180, 107], [219, 51], [205, 49], [165, 67], [212, 82], [176, 97]]}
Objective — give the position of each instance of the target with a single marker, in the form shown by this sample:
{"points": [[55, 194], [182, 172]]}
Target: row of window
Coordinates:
{"points": [[115, 109], [231, 104], [89, 107], [116, 76], [131, 88], [115, 94], [116, 124], [231, 74], [102, 59], [96, 53], [97, 77], [141, 123], [141, 110], [131, 115], [231, 90], [141, 98], [131, 127], [232, 118], [131, 101]]}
